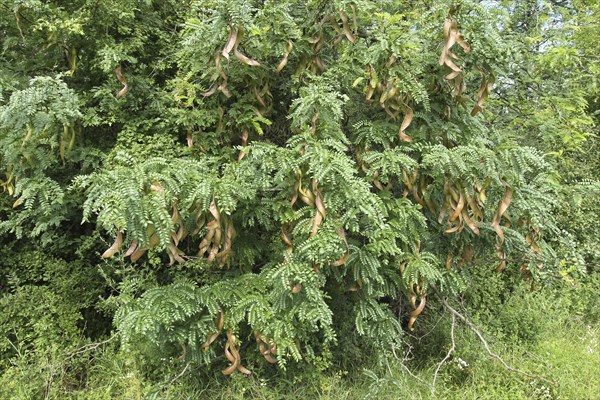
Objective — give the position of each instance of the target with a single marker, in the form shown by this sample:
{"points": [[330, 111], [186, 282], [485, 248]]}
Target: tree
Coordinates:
{"points": [[313, 166]]}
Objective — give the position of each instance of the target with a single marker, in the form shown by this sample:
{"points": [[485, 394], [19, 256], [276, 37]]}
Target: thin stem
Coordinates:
{"points": [[450, 351], [485, 343]]}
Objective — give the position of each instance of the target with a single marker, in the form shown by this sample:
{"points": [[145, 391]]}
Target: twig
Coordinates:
{"points": [[450, 351], [408, 370], [89, 347], [431, 330], [182, 373], [485, 343]]}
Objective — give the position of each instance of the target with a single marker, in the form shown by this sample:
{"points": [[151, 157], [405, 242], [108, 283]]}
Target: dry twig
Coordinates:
{"points": [[450, 351], [485, 343]]}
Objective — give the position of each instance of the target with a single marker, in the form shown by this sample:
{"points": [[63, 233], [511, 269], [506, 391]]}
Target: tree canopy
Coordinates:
{"points": [[276, 179]]}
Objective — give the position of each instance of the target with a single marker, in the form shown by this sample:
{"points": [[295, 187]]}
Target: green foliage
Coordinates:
{"points": [[288, 183]]}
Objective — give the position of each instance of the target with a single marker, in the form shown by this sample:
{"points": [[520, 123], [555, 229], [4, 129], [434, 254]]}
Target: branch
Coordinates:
{"points": [[450, 351], [89, 347], [485, 343], [168, 385], [408, 370]]}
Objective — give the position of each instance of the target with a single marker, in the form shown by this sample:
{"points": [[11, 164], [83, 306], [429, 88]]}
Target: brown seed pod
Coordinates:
{"points": [[264, 350], [347, 31], [131, 249], [233, 355], [297, 288], [284, 60], [137, 254], [408, 116], [230, 42], [209, 340], [502, 207], [246, 60], [459, 206], [220, 320], [416, 312], [286, 240], [469, 221], [121, 79], [112, 250]]}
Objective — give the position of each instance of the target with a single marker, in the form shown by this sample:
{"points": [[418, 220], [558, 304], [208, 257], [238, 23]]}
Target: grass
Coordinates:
{"points": [[536, 333], [566, 351]]}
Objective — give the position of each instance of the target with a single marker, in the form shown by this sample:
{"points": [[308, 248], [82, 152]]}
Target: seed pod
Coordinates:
{"points": [[405, 123], [347, 31], [416, 312], [240, 56], [138, 254], [286, 54], [230, 42], [297, 288], [112, 250], [131, 249], [121, 79], [459, 206], [502, 207], [220, 320], [209, 340], [469, 221]]}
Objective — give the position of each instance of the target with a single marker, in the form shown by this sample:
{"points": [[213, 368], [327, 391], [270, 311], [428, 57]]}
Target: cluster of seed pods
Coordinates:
{"points": [[390, 100], [452, 36]]}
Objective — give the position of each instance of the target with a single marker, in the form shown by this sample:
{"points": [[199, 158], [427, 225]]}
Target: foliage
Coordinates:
{"points": [[287, 183]]}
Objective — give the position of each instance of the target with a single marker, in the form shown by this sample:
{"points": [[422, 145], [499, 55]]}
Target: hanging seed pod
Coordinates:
{"points": [[449, 261], [211, 91], [246, 60], [131, 249], [284, 60], [417, 311], [230, 42], [121, 79], [286, 240], [405, 123], [376, 182], [138, 253], [347, 31], [205, 243], [296, 190], [112, 250], [459, 205], [307, 196], [320, 209], [244, 142], [200, 220], [502, 207], [219, 322], [482, 94], [190, 138], [297, 288], [452, 36], [209, 340], [467, 219], [502, 256], [233, 355], [266, 349], [235, 361]]}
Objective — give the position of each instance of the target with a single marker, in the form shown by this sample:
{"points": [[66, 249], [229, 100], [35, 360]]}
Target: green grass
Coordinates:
{"points": [[538, 335]]}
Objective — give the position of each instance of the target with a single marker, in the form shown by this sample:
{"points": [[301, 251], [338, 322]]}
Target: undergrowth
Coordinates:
{"points": [[541, 332]]}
